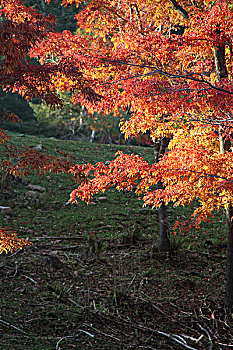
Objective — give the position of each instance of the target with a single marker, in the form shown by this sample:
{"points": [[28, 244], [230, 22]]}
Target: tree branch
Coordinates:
{"points": [[189, 76], [179, 9], [202, 174]]}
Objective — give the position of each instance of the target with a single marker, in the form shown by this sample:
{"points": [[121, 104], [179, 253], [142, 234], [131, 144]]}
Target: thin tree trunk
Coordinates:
{"points": [[229, 286], [224, 146], [92, 135], [164, 241], [221, 72], [81, 116], [220, 62], [43, 6]]}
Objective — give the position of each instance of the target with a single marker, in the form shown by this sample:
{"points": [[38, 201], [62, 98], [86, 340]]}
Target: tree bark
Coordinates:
{"points": [[164, 236], [179, 9], [220, 62], [164, 241]]}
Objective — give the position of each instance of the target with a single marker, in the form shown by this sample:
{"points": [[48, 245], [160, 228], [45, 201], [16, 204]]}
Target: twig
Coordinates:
{"points": [[88, 303], [66, 256], [208, 334], [81, 262], [196, 340], [16, 269], [93, 301], [130, 285], [11, 325], [155, 306], [72, 336], [30, 279], [15, 253], [105, 334], [174, 337], [76, 304], [68, 248], [53, 238], [228, 345], [181, 338], [115, 280], [200, 338]]}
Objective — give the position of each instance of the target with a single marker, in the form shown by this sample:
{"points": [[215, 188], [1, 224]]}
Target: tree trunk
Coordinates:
{"points": [[81, 116], [220, 62], [43, 7], [224, 146], [221, 72], [229, 286], [164, 241], [92, 135]]}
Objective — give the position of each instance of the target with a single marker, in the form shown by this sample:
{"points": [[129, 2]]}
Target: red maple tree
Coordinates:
{"points": [[171, 62]]}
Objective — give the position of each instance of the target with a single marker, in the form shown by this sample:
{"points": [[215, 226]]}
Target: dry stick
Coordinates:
{"points": [[30, 279], [72, 336], [105, 334], [66, 256], [11, 325], [16, 269], [196, 340], [76, 304], [155, 306], [68, 248], [130, 285], [210, 340], [49, 237], [88, 303], [200, 338], [170, 336], [15, 253], [81, 262], [115, 279], [228, 345]]}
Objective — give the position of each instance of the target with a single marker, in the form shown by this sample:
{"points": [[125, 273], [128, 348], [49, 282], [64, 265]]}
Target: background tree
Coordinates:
{"points": [[21, 28], [67, 122], [64, 20]]}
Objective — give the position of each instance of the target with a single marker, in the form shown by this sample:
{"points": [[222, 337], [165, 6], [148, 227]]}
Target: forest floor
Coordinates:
{"points": [[93, 278]]}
